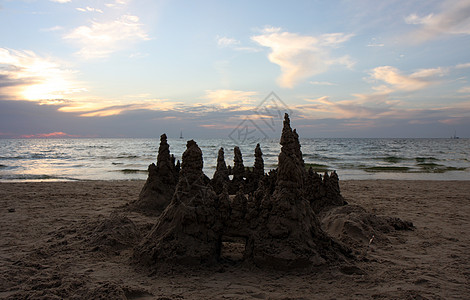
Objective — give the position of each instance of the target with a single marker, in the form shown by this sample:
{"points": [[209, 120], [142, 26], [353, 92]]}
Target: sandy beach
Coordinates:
{"points": [[54, 246]]}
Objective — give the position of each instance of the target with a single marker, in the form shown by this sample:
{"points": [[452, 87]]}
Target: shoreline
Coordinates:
{"points": [[143, 180]]}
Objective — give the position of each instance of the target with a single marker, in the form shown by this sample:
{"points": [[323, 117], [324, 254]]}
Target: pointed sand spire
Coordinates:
{"points": [[158, 190], [221, 174], [188, 231]]}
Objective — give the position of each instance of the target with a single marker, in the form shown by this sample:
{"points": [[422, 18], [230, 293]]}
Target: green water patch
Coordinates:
{"points": [[386, 169], [132, 171], [425, 159], [317, 167], [436, 168], [393, 159]]}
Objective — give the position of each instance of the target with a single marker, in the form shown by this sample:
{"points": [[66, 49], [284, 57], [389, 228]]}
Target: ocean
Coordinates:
{"points": [[128, 159]]}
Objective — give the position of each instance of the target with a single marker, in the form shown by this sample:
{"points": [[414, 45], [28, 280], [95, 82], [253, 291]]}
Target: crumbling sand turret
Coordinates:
{"points": [[291, 171], [258, 169], [221, 175], [323, 192], [255, 176], [161, 182], [288, 233], [188, 231], [238, 171]]}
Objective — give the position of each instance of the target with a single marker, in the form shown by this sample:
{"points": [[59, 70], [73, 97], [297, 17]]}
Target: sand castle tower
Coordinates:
{"points": [[188, 230], [221, 174], [256, 175], [238, 171], [161, 182], [288, 233], [258, 168]]}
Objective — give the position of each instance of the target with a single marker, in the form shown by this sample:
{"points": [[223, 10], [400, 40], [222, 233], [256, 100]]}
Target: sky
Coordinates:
{"points": [[123, 68]]}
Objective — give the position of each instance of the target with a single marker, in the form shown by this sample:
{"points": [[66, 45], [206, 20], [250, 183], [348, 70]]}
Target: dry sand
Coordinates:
{"points": [[56, 243]]}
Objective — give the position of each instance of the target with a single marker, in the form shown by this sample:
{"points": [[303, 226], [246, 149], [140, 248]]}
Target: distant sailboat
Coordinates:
{"points": [[455, 137], [181, 134]]}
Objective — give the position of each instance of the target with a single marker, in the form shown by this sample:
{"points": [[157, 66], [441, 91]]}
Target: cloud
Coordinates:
{"points": [[226, 42], [381, 107], [61, 1], [224, 103], [362, 115], [54, 28], [117, 3], [89, 9], [105, 108], [465, 90], [99, 40], [58, 134], [428, 73], [230, 98], [322, 83], [363, 107], [376, 45], [399, 82], [27, 118], [453, 19], [301, 56], [415, 20], [462, 66], [25, 75], [372, 111], [456, 121], [234, 44]]}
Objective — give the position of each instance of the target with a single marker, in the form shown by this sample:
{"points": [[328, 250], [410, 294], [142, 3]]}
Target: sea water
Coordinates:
{"points": [[128, 159]]}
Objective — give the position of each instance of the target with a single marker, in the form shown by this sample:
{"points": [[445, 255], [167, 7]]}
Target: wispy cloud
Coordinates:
{"points": [[105, 108], [383, 106], [54, 28], [117, 3], [322, 83], [100, 39], [358, 108], [234, 44], [226, 42], [230, 98], [453, 19], [396, 81], [462, 66], [377, 109], [213, 102], [464, 90], [375, 43], [57, 134], [61, 1], [89, 9], [25, 75], [301, 56]]}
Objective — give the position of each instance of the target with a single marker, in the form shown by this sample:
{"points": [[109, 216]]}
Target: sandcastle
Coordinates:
{"points": [[161, 182], [274, 213]]}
